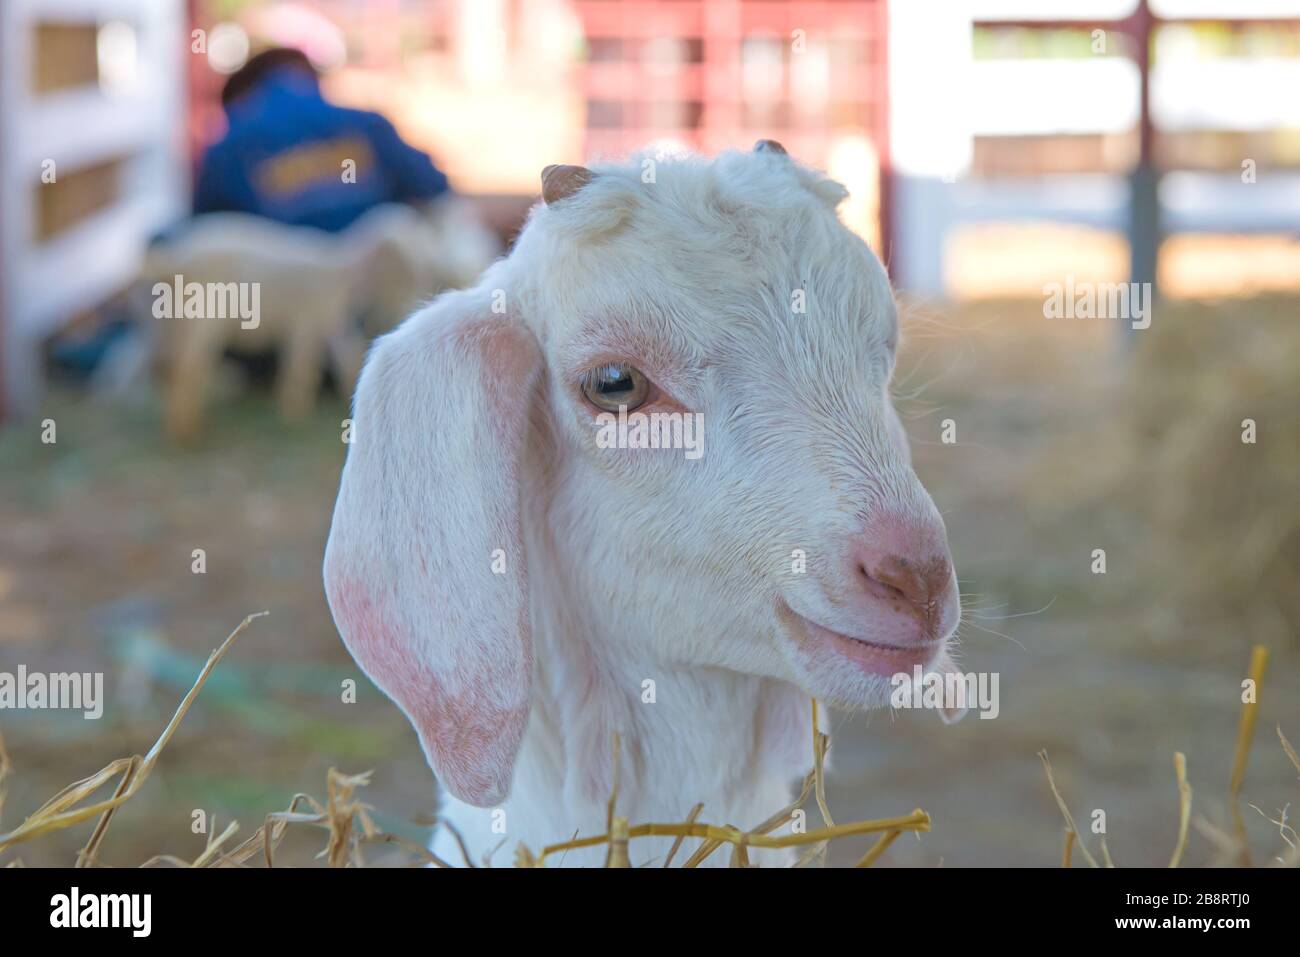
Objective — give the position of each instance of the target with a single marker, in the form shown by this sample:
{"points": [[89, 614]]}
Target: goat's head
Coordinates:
{"points": [[790, 538]]}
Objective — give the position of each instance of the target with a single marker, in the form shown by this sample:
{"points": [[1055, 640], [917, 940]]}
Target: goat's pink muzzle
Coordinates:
{"points": [[901, 602]]}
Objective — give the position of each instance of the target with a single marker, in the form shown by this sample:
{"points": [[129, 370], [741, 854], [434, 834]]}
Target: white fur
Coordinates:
{"points": [[627, 565]]}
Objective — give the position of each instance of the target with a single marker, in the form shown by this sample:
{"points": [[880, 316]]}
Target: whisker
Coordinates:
{"points": [[1018, 644], [1023, 614]]}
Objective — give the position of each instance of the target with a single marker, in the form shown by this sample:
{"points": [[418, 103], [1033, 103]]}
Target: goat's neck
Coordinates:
{"points": [[686, 735], [733, 742]]}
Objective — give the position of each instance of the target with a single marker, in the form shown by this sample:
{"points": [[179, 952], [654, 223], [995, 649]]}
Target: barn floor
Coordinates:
{"points": [[97, 534]]}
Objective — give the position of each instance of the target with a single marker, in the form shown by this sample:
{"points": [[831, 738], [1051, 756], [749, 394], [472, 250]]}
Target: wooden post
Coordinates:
{"points": [[1144, 181]]}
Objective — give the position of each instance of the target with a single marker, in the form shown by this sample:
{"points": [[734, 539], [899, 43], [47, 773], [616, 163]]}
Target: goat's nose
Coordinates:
{"points": [[905, 562], [920, 580]]}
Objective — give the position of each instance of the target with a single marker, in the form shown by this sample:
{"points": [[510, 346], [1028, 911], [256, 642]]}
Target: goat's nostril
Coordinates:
{"points": [[882, 584], [919, 582]]}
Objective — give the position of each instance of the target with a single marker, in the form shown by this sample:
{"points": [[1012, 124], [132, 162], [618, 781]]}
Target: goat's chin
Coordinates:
{"points": [[843, 688], [851, 673]]}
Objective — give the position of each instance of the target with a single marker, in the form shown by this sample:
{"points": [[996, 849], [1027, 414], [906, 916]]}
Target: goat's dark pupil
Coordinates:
{"points": [[615, 381]]}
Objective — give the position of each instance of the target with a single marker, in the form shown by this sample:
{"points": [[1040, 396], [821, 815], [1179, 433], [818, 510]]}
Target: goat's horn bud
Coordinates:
{"points": [[769, 146], [559, 182]]}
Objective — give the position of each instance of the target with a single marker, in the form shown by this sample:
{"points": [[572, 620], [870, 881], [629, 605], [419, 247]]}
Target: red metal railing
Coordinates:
{"points": [[678, 70]]}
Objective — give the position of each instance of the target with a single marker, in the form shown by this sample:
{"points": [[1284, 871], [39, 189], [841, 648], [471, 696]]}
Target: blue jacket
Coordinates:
{"points": [[292, 157]]}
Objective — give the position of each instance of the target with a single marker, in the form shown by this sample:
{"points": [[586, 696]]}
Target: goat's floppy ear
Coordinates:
{"points": [[424, 569]]}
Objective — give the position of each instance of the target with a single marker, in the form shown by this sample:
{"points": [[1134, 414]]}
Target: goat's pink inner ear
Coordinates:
{"points": [[415, 586], [769, 146], [559, 182]]}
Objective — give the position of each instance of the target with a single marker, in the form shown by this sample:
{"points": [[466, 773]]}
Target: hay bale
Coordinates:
{"points": [[1213, 520], [1224, 513]]}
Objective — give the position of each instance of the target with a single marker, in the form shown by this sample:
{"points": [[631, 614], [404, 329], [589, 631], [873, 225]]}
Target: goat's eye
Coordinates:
{"points": [[615, 384]]}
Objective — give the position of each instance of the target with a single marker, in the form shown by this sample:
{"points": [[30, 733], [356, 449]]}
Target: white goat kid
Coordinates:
{"points": [[306, 285], [515, 585]]}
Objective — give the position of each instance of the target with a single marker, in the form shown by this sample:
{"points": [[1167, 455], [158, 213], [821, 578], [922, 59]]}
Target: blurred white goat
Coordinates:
{"points": [[523, 591], [310, 287], [418, 253]]}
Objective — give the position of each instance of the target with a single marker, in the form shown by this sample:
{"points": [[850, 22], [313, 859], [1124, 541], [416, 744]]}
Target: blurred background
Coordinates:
{"points": [[991, 147]]}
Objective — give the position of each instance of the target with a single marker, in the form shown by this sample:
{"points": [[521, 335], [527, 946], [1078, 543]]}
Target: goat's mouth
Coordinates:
{"points": [[871, 656]]}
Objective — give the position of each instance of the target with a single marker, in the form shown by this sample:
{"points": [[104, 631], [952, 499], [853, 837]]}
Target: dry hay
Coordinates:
{"points": [[350, 826], [1230, 844]]}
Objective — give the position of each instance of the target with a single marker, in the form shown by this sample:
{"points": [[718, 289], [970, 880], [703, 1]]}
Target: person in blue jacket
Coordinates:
{"points": [[292, 156]]}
